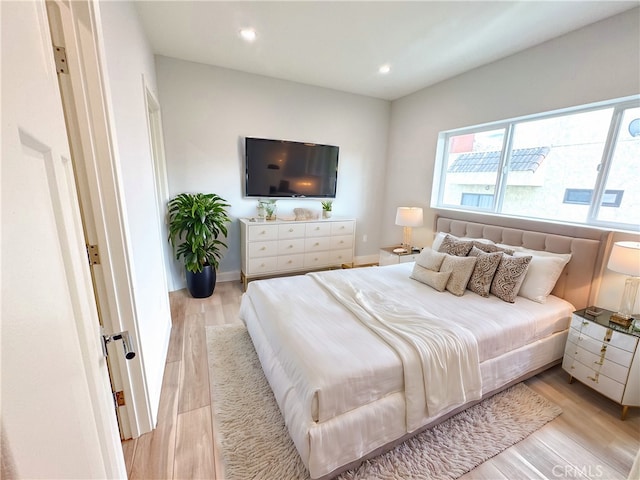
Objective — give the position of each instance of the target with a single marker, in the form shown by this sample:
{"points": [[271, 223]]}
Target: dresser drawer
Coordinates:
{"points": [[263, 249], [318, 229], [341, 241], [262, 232], [291, 262], [291, 230], [604, 334], [316, 259], [597, 347], [341, 228], [317, 244], [257, 266], [599, 382], [288, 247], [338, 257], [599, 363]]}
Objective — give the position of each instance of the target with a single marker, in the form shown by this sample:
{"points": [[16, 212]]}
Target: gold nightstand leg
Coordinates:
{"points": [[570, 378], [625, 409]]}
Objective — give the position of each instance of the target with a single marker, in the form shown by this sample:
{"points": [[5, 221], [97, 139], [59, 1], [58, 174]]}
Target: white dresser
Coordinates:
{"points": [[604, 357], [279, 247]]}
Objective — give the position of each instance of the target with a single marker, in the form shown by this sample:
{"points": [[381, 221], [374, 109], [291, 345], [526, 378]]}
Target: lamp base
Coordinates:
{"points": [[621, 319]]}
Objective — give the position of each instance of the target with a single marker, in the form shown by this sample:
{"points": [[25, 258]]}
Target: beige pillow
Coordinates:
{"points": [[461, 269], [484, 270], [430, 259], [453, 246], [434, 279], [509, 277]]}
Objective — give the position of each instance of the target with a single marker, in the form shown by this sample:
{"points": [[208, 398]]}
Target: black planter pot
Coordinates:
{"points": [[202, 284]]}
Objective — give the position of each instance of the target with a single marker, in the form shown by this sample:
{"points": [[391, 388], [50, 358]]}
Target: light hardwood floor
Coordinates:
{"points": [[587, 441]]}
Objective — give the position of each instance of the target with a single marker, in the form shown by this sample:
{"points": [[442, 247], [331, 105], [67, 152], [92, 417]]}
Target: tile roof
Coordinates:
{"points": [[523, 159]]}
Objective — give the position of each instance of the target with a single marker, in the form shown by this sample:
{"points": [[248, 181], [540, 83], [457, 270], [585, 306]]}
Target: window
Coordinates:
{"points": [[477, 200], [611, 198], [569, 166]]}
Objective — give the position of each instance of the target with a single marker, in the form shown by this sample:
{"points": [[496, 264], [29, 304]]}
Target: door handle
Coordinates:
{"points": [[129, 353]]}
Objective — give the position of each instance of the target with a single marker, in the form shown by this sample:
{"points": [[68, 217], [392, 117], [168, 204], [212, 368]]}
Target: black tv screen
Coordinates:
{"points": [[281, 168]]}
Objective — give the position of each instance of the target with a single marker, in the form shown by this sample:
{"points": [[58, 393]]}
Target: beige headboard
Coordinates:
{"points": [[576, 284]]}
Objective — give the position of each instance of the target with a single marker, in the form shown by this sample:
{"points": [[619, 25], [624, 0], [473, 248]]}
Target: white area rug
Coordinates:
{"points": [[255, 443]]}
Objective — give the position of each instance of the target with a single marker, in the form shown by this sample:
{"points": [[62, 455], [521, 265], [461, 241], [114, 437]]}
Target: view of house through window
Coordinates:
{"points": [[581, 166]]}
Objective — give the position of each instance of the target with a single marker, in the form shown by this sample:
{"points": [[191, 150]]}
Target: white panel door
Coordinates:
{"points": [[57, 413]]}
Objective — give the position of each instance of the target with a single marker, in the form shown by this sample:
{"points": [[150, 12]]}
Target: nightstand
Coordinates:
{"points": [[605, 357], [389, 257]]}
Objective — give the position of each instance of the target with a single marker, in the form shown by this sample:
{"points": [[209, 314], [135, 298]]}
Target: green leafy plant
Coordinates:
{"points": [[327, 205], [197, 220]]}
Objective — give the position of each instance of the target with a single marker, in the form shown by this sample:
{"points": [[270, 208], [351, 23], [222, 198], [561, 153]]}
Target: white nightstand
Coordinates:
{"points": [[389, 257], [605, 357]]}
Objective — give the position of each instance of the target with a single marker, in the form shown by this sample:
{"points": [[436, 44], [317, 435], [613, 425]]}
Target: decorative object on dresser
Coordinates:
{"points": [[393, 255], [283, 247], [625, 259], [327, 206], [197, 220], [604, 356], [408, 217]]}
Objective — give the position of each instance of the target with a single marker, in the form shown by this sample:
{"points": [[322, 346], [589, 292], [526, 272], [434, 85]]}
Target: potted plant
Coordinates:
{"points": [[196, 220], [327, 205]]}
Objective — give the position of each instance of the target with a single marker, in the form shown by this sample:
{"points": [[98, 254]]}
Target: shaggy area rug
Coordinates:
{"points": [[255, 444]]}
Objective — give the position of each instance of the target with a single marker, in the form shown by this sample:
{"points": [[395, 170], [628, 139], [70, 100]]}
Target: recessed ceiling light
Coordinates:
{"points": [[384, 69], [249, 34]]}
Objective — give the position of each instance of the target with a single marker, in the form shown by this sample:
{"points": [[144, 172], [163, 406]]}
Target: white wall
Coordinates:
{"points": [[207, 112], [129, 60], [595, 63]]}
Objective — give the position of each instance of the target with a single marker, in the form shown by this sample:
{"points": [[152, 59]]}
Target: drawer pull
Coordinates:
{"points": [[291, 229], [317, 228], [290, 246], [289, 261], [317, 244], [603, 349], [609, 334], [585, 323], [593, 379], [263, 248], [598, 363]]}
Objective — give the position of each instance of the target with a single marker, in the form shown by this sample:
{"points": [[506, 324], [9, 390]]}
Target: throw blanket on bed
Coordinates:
{"points": [[440, 359]]}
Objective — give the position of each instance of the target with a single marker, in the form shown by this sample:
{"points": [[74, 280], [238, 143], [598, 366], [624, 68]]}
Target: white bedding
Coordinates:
{"points": [[333, 377]]}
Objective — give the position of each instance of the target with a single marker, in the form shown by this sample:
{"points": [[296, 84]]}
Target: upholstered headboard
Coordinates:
{"points": [[576, 282]]}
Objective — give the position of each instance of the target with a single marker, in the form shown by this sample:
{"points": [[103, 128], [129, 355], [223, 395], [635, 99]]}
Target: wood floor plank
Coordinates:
{"points": [[155, 451], [194, 377], [588, 434], [194, 445]]}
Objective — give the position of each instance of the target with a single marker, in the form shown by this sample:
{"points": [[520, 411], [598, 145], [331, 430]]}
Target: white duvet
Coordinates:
{"points": [[341, 387], [440, 359]]}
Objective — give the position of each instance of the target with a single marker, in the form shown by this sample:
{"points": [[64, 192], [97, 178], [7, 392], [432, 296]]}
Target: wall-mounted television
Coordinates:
{"points": [[281, 168]]}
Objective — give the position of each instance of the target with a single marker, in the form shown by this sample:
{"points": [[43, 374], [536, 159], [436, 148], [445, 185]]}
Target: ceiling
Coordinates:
{"points": [[341, 45]]}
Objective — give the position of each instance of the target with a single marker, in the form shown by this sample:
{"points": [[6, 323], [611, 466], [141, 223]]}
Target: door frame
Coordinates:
{"points": [[76, 25]]}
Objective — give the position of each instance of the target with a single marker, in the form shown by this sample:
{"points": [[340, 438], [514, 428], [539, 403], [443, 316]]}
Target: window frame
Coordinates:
{"points": [[599, 188]]}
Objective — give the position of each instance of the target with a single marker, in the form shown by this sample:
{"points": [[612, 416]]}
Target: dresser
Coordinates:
{"points": [[605, 357], [283, 247]]}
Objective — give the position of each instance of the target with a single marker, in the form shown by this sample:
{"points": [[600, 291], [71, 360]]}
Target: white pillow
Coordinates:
{"points": [[543, 272], [430, 259], [436, 280]]}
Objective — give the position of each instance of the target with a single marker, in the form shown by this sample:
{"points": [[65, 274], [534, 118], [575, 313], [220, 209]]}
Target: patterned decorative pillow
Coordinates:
{"points": [[429, 259], [461, 269], [484, 270], [491, 248], [509, 277], [453, 246], [437, 280]]}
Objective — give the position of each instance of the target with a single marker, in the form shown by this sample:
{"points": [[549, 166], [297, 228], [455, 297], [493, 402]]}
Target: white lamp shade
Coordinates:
{"points": [[409, 216], [625, 258]]}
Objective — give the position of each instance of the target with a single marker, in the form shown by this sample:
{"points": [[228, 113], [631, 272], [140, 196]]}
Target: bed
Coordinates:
{"points": [[361, 359]]}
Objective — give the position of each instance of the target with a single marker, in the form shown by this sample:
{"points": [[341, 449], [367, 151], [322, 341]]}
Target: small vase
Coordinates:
{"points": [[326, 214]]}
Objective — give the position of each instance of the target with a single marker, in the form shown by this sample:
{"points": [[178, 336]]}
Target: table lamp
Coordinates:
{"points": [[625, 258], [408, 217]]}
